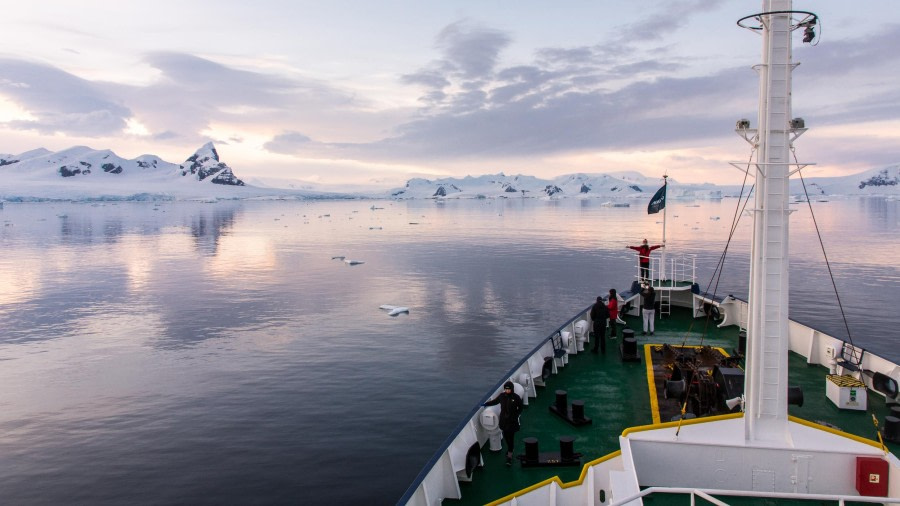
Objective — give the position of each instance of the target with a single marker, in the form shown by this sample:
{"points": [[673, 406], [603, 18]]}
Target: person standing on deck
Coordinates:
{"points": [[510, 409], [599, 315], [649, 307], [613, 306], [644, 257]]}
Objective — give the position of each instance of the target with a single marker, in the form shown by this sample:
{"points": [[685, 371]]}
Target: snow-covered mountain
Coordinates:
{"points": [[99, 166], [885, 181], [81, 173], [630, 184], [606, 186]]}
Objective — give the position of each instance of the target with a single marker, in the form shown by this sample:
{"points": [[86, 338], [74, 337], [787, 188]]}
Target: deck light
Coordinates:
{"points": [[809, 33]]}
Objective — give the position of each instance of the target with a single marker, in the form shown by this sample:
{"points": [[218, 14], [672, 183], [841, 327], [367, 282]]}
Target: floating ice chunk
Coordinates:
{"points": [[394, 310]]}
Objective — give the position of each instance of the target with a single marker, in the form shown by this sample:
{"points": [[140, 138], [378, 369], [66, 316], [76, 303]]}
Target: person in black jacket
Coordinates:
{"points": [[510, 409], [648, 307], [599, 315]]}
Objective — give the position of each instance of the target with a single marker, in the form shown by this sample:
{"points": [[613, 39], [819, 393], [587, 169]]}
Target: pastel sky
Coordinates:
{"points": [[377, 92]]}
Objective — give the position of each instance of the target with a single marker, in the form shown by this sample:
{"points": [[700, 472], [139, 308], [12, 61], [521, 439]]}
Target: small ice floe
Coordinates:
{"points": [[394, 310], [353, 262], [338, 258]]}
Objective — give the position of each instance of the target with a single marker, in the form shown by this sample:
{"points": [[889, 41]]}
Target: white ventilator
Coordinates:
{"points": [[490, 420]]}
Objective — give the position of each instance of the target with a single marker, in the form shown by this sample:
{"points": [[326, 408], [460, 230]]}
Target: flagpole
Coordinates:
{"points": [[662, 267]]}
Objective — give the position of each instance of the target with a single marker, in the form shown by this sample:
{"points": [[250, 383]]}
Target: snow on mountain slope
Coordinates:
{"points": [[82, 173], [614, 185], [885, 181]]}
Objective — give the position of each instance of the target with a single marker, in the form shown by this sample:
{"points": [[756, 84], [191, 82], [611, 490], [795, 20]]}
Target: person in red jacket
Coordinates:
{"points": [[613, 312], [644, 257]]}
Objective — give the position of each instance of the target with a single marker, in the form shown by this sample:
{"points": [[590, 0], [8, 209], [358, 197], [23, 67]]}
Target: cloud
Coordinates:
{"points": [[559, 120], [604, 96], [166, 135], [60, 102], [194, 92], [626, 92], [189, 101], [469, 55], [287, 143], [427, 78], [592, 98], [471, 50], [661, 24]]}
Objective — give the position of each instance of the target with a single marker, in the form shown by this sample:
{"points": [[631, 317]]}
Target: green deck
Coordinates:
{"points": [[616, 397]]}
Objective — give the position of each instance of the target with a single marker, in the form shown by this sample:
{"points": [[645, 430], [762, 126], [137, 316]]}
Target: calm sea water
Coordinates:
{"points": [[199, 353]]}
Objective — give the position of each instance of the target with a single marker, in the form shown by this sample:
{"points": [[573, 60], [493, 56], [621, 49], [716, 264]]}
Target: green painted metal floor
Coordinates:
{"points": [[616, 397]]}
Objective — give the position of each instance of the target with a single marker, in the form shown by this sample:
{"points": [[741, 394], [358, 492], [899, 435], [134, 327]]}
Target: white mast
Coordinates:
{"points": [[766, 383]]}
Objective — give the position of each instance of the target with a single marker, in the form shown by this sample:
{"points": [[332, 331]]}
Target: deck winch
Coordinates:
{"points": [[703, 378]]}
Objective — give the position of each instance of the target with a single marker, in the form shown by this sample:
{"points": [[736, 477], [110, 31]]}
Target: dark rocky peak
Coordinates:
{"points": [[205, 163], [552, 189]]}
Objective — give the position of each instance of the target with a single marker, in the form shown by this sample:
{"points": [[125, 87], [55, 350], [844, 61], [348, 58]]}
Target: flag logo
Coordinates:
{"points": [[658, 201]]}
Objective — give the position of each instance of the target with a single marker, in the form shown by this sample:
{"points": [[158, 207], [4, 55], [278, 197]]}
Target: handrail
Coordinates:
{"points": [[459, 428], [682, 267], [706, 493]]}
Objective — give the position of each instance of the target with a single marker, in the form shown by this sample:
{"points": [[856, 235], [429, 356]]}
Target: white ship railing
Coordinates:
{"points": [[708, 493], [680, 268]]}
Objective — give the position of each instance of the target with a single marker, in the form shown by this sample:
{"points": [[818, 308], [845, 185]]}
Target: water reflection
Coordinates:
{"points": [[172, 337], [210, 224]]}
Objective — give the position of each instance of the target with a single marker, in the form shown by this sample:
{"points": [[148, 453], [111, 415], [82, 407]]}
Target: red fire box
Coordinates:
{"points": [[872, 476]]}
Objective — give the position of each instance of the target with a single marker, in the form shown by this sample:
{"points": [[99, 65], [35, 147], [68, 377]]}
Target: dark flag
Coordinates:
{"points": [[658, 201]]}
